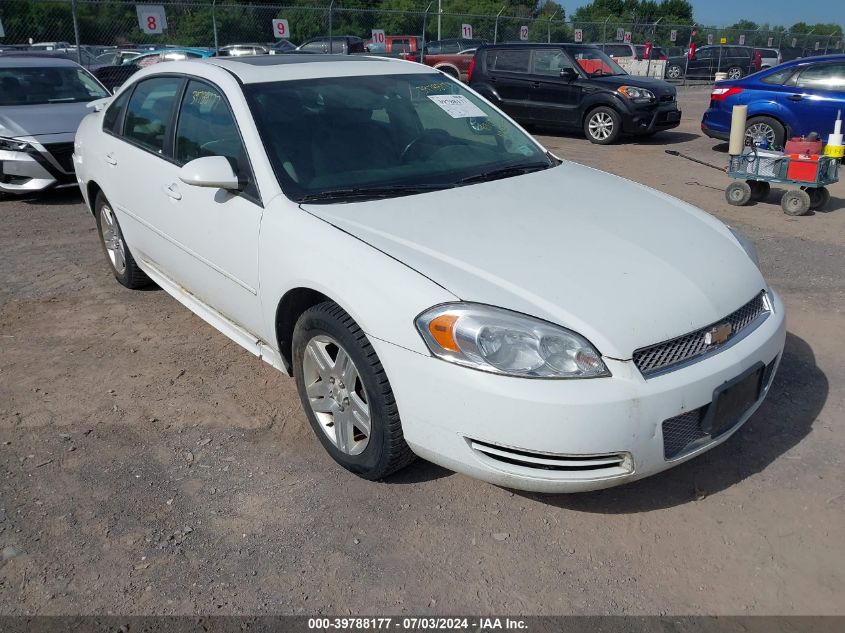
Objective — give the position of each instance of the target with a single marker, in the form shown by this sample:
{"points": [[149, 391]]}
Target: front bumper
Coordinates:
{"points": [[36, 168], [564, 435], [655, 119]]}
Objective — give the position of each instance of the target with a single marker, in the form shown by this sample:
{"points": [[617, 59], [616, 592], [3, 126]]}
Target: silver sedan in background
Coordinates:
{"points": [[42, 101]]}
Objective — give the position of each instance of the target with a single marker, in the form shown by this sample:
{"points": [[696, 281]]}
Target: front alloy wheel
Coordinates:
{"points": [[602, 125]]}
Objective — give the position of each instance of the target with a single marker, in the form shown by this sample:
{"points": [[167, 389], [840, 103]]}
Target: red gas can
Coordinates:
{"points": [[804, 168], [798, 145]]}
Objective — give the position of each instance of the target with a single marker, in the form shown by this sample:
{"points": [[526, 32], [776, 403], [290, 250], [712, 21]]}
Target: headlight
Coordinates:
{"points": [[505, 342], [13, 145], [747, 246], [640, 95]]}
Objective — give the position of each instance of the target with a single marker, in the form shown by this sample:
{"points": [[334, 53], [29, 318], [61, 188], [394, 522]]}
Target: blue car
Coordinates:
{"points": [[792, 99]]}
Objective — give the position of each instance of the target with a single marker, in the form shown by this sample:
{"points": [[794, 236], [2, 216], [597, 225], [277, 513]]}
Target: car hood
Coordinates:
{"points": [[657, 86], [622, 264], [36, 120]]}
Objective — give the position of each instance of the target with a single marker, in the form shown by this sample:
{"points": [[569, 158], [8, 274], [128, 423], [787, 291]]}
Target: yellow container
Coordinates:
{"points": [[835, 151]]}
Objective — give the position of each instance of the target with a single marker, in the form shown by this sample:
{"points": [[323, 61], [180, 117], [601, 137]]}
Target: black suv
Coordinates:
{"points": [[573, 86], [736, 61]]}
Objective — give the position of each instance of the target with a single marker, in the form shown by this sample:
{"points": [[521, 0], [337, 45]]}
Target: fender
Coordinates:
{"points": [[443, 65], [775, 110], [600, 98]]}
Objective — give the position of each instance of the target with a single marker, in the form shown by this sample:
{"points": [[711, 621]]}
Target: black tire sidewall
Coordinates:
{"points": [[617, 125], [795, 195], [313, 323]]}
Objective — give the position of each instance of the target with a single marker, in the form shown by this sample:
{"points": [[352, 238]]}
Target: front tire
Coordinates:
{"points": [[120, 259], [738, 193], [674, 72], [346, 394], [603, 126]]}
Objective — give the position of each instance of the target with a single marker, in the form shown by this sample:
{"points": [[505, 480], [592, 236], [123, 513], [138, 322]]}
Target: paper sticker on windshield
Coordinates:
{"points": [[457, 106]]}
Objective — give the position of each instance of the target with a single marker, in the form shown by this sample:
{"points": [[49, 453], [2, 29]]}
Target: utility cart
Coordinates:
{"points": [[755, 171]]}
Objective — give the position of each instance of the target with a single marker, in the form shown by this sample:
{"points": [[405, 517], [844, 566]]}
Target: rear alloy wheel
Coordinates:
{"points": [[738, 193], [346, 394], [122, 264], [735, 72], [795, 202], [674, 72], [763, 128], [603, 125]]}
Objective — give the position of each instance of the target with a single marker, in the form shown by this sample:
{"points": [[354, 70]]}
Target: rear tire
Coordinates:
{"points": [[346, 394], [603, 125], [738, 193], [795, 202], [674, 71], [819, 197], [764, 126], [759, 189], [735, 72], [117, 252]]}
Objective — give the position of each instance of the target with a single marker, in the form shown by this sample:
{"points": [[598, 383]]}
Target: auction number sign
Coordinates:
{"points": [[151, 18], [771, 42], [710, 39], [523, 33], [466, 31], [377, 36], [673, 36], [620, 35], [281, 29], [627, 39], [794, 42], [742, 40], [579, 35]]}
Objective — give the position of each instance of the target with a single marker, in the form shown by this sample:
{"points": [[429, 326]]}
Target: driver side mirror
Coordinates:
{"points": [[210, 171], [568, 73]]}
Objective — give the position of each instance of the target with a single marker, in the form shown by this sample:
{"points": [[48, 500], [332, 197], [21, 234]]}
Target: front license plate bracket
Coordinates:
{"points": [[732, 399]]}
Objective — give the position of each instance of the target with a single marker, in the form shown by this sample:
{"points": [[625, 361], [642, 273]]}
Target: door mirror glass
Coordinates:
{"points": [[568, 73], [210, 171]]}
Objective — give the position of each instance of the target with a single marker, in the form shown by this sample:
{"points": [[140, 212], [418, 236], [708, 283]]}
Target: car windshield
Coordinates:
{"points": [[342, 138], [595, 62], [34, 85]]}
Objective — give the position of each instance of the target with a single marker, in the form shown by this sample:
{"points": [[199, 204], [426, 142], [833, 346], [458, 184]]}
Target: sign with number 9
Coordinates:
{"points": [[523, 33], [281, 29]]}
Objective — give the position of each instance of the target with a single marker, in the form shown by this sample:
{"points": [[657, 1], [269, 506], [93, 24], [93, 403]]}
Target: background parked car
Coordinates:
{"points": [[657, 53], [618, 50], [239, 50], [736, 61], [169, 55], [342, 44], [792, 99], [771, 57], [401, 46], [283, 46], [42, 101], [454, 64], [573, 86], [451, 46]]}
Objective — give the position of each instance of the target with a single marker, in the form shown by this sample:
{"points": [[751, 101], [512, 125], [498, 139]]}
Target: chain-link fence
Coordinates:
{"points": [[102, 23]]}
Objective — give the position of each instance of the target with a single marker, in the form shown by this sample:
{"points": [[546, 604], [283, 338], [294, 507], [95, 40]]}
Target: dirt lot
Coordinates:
{"points": [[150, 466]]}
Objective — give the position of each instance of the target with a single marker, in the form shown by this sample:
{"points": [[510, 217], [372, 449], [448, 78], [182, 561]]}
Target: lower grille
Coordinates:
{"points": [[62, 153], [609, 463], [664, 356]]}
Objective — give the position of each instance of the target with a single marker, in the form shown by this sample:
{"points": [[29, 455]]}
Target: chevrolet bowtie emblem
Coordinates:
{"points": [[718, 334]]}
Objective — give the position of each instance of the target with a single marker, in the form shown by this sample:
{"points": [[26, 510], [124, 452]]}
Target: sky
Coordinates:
{"points": [[775, 12]]}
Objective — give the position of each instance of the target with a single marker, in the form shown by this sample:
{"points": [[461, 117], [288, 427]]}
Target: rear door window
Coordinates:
{"points": [[779, 78], [149, 112], [515, 61], [618, 50]]}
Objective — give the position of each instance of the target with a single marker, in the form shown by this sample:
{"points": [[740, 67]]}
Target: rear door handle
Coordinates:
{"points": [[535, 84], [796, 97], [110, 159], [173, 191]]}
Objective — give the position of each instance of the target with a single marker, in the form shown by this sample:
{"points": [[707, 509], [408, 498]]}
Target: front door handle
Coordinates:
{"points": [[173, 191], [796, 97], [535, 84], [110, 159]]}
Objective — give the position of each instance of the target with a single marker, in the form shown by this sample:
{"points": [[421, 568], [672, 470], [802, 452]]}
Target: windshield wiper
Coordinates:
{"points": [[369, 193], [504, 172]]}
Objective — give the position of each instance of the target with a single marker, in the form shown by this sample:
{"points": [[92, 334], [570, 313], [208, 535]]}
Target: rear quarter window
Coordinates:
{"points": [[516, 61]]}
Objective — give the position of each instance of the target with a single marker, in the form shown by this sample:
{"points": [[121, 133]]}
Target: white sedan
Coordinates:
{"points": [[436, 281]]}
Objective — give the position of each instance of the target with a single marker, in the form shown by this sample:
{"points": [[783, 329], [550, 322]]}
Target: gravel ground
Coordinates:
{"points": [[150, 466]]}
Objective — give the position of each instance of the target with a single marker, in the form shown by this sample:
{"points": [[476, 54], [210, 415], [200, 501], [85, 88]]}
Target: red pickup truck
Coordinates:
{"points": [[454, 64], [401, 46]]}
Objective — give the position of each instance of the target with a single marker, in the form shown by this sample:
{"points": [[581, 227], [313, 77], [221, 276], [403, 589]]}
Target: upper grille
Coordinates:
{"points": [[663, 356], [63, 153]]}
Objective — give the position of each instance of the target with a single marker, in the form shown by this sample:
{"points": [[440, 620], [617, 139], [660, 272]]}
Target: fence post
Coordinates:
{"points": [[76, 31], [439, 17], [496, 26], [214, 25], [422, 44], [330, 49], [689, 46], [549, 35], [604, 34]]}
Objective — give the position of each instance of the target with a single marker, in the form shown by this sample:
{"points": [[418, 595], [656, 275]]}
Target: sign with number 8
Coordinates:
{"points": [[281, 29], [151, 18]]}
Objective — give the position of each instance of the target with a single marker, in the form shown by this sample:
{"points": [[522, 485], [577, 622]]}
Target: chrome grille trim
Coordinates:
{"points": [[688, 348], [553, 461]]}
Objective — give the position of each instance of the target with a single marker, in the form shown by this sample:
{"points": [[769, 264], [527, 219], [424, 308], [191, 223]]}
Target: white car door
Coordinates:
{"points": [[212, 234]]}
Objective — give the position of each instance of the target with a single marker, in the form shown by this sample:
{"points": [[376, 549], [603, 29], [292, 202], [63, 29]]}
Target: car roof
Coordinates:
{"points": [[540, 45], [812, 60], [266, 68], [17, 60]]}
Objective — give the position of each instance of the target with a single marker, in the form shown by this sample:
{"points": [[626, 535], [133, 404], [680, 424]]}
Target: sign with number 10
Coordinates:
{"points": [[377, 35], [281, 29], [466, 31], [627, 37]]}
